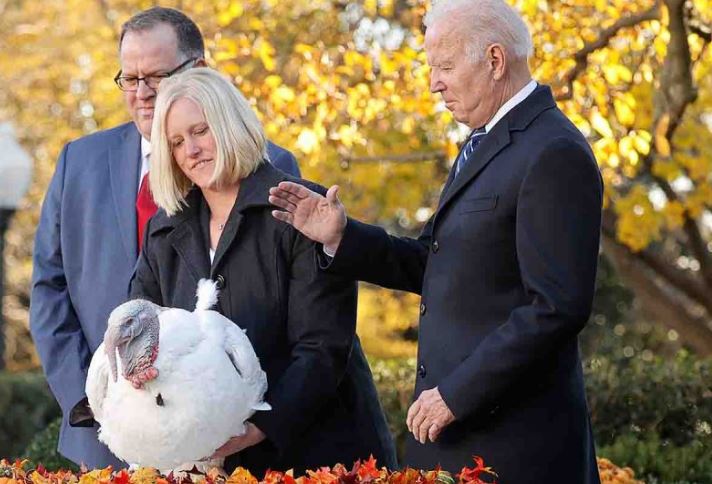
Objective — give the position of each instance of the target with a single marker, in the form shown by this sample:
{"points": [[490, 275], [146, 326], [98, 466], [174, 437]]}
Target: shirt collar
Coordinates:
{"points": [[511, 103], [145, 153]]}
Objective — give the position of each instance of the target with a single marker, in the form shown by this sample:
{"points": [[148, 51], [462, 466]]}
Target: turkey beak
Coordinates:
{"points": [[111, 340]]}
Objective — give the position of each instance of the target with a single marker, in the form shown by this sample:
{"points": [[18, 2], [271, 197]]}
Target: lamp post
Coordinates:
{"points": [[15, 175]]}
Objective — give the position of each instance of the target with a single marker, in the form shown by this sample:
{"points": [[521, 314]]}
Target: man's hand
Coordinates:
{"points": [[253, 436], [322, 219], [428, 416]]}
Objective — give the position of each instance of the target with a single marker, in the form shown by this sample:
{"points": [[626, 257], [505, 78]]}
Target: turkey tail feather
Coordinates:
{"points": [[207, 294]]}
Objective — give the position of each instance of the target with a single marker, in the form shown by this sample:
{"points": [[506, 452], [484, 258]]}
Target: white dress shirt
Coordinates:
{"points": [[145, 155]]}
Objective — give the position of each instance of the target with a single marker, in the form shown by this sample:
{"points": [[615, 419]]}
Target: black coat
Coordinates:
{"points": [[506, 270], [300, 321]]}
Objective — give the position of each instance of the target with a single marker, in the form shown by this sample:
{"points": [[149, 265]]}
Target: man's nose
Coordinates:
{"points": [[436, 85], [144, 92]]}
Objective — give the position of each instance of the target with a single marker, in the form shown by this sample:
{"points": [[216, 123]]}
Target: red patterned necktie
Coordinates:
{"points": [[145, 208]]}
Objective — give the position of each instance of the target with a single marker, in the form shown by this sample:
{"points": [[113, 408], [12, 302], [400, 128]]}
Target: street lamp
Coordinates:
{"points": [[15, 176]]}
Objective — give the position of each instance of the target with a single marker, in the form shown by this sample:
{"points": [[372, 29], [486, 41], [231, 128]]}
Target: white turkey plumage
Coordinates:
{"points": [[208, 382]]}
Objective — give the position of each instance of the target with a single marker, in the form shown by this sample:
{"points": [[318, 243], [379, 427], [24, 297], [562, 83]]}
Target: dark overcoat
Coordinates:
{"points": [[300, 321], [506, 269]]}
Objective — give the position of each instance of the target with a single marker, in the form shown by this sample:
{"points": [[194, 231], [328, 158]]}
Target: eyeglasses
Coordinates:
{"points": [[130, 83]]}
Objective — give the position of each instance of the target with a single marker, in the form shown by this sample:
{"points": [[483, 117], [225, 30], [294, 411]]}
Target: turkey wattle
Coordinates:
{"points": [[182, 385]]}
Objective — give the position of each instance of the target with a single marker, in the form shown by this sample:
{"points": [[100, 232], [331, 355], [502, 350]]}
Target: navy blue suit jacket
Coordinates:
{"points": [[84, 255], [506, 271]]}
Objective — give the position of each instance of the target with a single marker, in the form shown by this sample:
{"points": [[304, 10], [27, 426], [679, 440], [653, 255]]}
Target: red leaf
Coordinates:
{"points": [[122, 477], [471, 475]]}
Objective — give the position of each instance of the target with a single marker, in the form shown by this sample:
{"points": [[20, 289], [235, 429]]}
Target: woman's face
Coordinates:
{"points": [[191, 141]]}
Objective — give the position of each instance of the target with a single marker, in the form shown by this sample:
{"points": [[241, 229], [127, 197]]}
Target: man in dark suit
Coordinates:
{"points": [[88, 238], [505, 267]]}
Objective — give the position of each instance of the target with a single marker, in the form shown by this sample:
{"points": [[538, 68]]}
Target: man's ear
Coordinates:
{"points": [[496, 59]]}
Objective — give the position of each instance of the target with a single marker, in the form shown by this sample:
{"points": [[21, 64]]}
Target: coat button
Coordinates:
{"points": [[220, 282], [421, 371], [422, 309], [435, 247]]}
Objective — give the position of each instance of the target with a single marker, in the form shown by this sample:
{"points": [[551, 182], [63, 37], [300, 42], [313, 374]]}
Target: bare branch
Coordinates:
{"points": [[405, 158]]}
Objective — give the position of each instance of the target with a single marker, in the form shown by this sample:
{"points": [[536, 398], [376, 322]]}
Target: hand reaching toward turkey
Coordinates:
{"points": [[322, 219], [252, 436]]}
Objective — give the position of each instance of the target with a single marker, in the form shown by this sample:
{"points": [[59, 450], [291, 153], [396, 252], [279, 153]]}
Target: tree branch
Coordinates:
{"points": [[677, 278], [581, 57], [657, 303], [406, 158]]}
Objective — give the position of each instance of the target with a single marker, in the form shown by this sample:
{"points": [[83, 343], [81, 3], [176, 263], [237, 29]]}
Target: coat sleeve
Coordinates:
{"points": [[321, 324], [56, 331], [557, 241], [368, 253], [283, 159]]}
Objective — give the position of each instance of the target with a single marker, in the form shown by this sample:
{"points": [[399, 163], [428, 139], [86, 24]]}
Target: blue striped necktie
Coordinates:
{"points": [[470, 146]]}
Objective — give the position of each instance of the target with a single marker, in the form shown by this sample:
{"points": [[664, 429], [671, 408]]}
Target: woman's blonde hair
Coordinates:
{"points": [[239, 137]]}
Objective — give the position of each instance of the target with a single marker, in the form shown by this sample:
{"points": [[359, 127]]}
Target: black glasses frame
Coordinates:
{"points": [[156, 78]]}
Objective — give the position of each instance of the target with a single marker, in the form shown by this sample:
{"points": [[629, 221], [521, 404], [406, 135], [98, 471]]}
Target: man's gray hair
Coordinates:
{"points": [[190, 40], [483, 23]]}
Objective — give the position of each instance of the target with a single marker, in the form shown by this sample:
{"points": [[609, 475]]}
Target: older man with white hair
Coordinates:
{"points": [[505, 267]]}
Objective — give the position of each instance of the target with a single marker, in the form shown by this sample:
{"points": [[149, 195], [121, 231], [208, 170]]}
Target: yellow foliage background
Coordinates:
{"points": [[344, 85]]}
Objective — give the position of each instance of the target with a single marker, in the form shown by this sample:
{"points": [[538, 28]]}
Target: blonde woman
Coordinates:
{"points": [[211, 182]]}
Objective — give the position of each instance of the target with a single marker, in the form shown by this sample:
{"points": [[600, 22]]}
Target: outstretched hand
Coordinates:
{"points": [[322, 219]]}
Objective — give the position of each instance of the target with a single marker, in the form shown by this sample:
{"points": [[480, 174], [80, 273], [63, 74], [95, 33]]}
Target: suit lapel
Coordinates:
{"points": [[496, 140], [491, 144], [188, 242], [187, 238], [124, 165]]}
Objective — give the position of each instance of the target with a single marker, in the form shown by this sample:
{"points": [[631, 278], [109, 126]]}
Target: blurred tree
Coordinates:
{"points": [[344, 84]]}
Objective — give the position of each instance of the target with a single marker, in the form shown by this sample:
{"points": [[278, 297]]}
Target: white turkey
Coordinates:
{"points": [[183, 384]]}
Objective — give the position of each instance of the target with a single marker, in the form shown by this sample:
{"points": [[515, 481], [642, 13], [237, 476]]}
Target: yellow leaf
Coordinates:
{"points": [[265, 51], [307, 141], [662, 145], [641, 140], [273, 81], [624, 113], [241, 476], [143, 475], [601, 125]]}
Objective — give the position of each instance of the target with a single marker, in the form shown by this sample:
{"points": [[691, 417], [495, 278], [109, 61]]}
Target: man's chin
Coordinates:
{"points": [[144, 127]]}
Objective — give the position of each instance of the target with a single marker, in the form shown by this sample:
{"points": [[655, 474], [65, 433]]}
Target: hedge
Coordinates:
{"points": [[26, 407]]}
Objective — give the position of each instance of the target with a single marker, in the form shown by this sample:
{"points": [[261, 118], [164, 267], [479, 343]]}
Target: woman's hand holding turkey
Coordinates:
{"points": [[252, 436]]}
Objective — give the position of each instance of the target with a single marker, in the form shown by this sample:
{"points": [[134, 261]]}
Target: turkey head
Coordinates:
{"points": [[133, 331]]}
